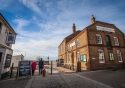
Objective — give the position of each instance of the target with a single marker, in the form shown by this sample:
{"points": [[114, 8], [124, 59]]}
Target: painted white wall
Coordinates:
{"points": [[16, 59], [2, 59], [6, 52], [3, 36]]}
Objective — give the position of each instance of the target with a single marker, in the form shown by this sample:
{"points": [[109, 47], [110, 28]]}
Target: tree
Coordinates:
{"points": [[38, 58]]}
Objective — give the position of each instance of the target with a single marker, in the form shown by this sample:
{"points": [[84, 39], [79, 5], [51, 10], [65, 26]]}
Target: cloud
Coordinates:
{"points": [[32, 5], [42, 38], [21, 23]]}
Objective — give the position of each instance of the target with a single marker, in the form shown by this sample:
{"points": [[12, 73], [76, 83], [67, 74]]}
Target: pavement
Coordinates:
{"points": [[65, 78]]}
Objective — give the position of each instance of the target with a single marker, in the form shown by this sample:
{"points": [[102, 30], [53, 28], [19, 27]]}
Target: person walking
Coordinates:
{"points": [[41, 65], [33, 65]]}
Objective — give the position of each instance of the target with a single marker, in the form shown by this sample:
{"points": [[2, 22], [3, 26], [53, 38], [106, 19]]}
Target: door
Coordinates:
{"points": [[72, 60], [0, 57]]}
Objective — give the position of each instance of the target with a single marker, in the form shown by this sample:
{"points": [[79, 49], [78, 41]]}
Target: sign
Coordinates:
{"points": [[105, 29], [11, 39], [8, 61], [24, 68], [83, 58]]}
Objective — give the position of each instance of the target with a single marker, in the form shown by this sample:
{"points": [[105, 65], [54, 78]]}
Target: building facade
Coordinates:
{"points": [[7, 38], [16, 59], [98, 46], [62, 48]]}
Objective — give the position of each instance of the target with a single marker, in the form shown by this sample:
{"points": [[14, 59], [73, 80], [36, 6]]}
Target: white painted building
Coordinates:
{"points": [[16, 59], [7, 38]]}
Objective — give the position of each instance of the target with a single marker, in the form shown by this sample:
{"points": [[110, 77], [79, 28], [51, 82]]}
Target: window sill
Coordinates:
{"points": [[101, 62], [120, 61]]}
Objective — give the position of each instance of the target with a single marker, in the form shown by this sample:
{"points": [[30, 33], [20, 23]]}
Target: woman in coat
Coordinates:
{"points": [[33, 65]]}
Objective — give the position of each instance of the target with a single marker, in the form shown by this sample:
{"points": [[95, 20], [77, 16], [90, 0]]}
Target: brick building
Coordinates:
{"points": [[98, 46]]}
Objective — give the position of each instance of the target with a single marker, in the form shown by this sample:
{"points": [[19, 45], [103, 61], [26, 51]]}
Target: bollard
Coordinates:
{"points": [[11, 73], [51, 67]]}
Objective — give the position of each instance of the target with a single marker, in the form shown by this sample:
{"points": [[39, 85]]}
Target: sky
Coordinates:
{"points": [[41, 25]]}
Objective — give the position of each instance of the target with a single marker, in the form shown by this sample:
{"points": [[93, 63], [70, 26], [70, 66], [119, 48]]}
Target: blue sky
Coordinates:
{"points": [[42, 24]]}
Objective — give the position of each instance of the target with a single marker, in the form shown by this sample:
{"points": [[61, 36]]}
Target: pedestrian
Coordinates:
{"points": [[41, 65], [33, 65]]}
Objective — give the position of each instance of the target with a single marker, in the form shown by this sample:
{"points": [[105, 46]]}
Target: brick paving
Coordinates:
{"points": [[69, 79], [116, 79], [13, 83]]}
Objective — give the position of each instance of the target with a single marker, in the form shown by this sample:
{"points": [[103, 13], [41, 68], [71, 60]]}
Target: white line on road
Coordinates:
{"points": [[95, 82]]}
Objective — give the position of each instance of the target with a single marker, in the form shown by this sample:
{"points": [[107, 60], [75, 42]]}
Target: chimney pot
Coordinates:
{"points": [[74, 28], [93, 19]]}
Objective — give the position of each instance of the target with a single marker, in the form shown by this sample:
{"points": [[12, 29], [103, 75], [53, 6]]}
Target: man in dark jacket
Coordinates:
{"points": [[41, 65]]}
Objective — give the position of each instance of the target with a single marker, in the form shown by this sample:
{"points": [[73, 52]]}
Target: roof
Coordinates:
{"points": [[7, 23], [69, 37], [104, 23]]}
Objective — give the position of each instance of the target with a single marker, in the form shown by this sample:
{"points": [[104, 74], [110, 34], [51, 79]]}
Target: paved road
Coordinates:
{"points": [[65, 79], [116, 79]]}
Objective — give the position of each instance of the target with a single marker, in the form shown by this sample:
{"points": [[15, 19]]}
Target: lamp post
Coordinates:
{"points": [[48, 60]]}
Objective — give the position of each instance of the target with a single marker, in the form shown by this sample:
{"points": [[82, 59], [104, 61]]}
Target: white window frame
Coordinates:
{"points": [[78, 56], [116, 41], [119, 56], [0, 27], [77, 43], [111, 56], [68, 58], [98, 37], [68, 47], [103, 58]]}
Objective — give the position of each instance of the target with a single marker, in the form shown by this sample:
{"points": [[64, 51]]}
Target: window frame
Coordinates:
{"points": [[100, 37], [117, 41], [111, 55], [77, 43], [78, 56], [0, 27], [121, 60], [82, 59], [100, 50]]}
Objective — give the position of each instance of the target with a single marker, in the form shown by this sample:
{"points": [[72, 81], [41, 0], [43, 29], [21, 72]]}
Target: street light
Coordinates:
{"points": [[48, 60]]}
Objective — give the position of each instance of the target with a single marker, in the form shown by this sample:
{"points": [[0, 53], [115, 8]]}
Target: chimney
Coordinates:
{"points": [[93, 19], [73, 28]]}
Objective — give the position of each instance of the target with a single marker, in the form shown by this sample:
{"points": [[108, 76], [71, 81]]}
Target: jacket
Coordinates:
{"points": [[33, 66], [41, 63]]}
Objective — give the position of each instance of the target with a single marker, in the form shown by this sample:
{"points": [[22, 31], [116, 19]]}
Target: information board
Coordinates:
{"points": [[24, 68]]}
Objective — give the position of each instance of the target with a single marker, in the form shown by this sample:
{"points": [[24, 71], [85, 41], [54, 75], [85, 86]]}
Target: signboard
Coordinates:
{"points": [[11, 39], [8, 61], [24, 68], [105, 29]]}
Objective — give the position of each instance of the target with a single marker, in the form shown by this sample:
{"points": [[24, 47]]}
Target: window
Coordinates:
{"points": [[68, 48], [68, 58], [108, 42], [101, 56], [116, 41], [0, 27], [119, 56], [98, 39], [78, 56], [0, 56], [111, 57], [77, 43], [83, 58]]}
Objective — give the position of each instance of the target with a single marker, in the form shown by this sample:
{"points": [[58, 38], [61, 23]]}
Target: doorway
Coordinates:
{"points": [[0, 57]]}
